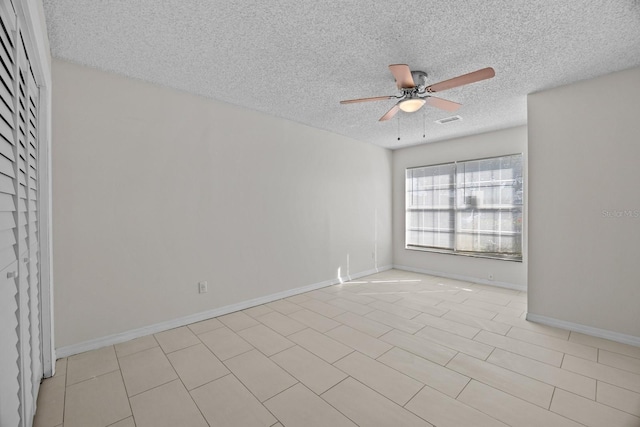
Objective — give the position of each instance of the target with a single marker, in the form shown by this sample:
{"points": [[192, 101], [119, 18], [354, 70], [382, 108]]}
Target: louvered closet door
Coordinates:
{"points": [[20, 337], [10, 392], [32, 255]]}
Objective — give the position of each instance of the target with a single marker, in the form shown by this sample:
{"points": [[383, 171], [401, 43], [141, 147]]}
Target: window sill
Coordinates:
{"points": [[500, 257]]}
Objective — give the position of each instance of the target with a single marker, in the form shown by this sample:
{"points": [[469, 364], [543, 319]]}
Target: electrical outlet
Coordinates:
{"points": [[203, 287]]}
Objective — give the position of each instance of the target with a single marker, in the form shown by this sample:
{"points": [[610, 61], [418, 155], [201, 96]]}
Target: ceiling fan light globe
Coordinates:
{"points": [[411, 105]]}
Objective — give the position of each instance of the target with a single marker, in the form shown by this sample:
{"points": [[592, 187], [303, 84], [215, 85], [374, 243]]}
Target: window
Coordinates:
{"points": [[470, 208]]}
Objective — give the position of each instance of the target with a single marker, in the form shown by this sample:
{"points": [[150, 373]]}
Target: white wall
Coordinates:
{"points": [[584, 148], [505, 273], [156, 190]]}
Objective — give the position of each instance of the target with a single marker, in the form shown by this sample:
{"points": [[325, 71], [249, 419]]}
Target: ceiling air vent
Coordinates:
{"points": [[448, 120]]}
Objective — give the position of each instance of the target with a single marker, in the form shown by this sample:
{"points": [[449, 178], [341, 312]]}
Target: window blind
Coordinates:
{"points": [[471, 207]]}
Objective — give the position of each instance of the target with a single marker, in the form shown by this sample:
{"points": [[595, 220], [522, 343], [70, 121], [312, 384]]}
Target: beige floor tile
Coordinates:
{"points": [[265, 339], [314, 320], [226, 402], [531, 326], [454, 285], [50, 402], [543, 372], [238, 321], [444, 411], [619, 398], [320, 295], [196, 366], [362, 324], [258, 310], [91, 364], [383, 296], [467, 309], [176, 339], [205, 326], [605, 373], [365, 289], [553, 343], [616, 347], [127, 422], [509, 311], [309, 369], [522, 348], [365, 407], [298, 298], [225, 343], [351, 306], [298, 406], [491, 297], [321, 345], [280, 323], [398, 310], [135, 345], [477, 322], [396, 322], [512, 293], [518, 385], [322, 308], [447, 325], [166, 406], [259, 374], [365, 344], [520, 305], [61, 367], [284, 307], [509, 409], [442, 379], [146, 369], [419, 346], [619, 361], [98, 402], [590, 413], [465, 345], [513, 385], [387, 381], [360, 299], [347, 288], [428, 297], [422, 306], [433, 290]]}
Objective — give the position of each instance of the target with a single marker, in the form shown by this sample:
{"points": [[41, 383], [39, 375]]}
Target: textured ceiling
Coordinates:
{"points": [[298, 58]]}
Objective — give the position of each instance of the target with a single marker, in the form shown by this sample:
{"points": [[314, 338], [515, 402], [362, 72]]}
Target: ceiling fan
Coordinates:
{"points": [[414, 96]]}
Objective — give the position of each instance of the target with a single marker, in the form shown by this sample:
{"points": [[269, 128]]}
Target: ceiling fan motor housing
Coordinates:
{"points": [[420, 80]]}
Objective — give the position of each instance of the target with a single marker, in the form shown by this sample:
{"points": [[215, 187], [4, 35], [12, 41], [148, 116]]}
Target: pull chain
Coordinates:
{"points": [[424, 125], [398, 128]]}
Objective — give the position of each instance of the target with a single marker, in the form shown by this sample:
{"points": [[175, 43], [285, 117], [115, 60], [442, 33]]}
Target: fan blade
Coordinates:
{"points": [[377, 98], [443, 104], [476, 76], [392, 112], [402, 74]]}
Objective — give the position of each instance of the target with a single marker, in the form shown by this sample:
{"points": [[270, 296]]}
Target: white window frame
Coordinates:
{"points": [[454, 210]]}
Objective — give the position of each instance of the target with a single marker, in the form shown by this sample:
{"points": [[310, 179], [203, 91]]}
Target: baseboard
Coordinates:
{"points": [[587, 330], [464, 278], [198, 317]]}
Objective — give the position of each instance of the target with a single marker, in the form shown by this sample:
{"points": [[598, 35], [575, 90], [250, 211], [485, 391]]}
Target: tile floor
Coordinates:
{"points": [[392, 349]]}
